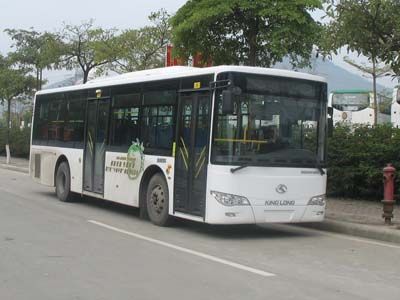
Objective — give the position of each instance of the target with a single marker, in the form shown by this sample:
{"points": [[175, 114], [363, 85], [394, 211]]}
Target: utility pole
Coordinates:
{"points": [[374, 90]]}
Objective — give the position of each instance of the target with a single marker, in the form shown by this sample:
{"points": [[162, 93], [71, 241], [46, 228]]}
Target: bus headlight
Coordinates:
{"points": [[317, 200], [230, 199]]}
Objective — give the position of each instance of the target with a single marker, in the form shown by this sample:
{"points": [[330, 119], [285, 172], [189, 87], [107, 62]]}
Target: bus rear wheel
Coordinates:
{"points": [[63, 183], [157, 201]]}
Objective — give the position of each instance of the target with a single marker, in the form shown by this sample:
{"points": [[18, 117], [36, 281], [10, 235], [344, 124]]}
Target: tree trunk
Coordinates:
{"points": [[37, 79], [40, 79], [85, 76], [252, 33], [8, 130], [376, 110], [252, 54]]}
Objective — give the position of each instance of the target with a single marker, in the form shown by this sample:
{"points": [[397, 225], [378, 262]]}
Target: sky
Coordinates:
{"points": [[50, 15]]}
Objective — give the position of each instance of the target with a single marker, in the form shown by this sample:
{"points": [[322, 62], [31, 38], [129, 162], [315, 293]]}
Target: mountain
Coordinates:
{"points": [[71, 80], [338, 77]]}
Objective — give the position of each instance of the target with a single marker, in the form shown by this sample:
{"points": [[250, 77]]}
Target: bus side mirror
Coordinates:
{"points": [[398, 96], [227, 102], [330, 121]]}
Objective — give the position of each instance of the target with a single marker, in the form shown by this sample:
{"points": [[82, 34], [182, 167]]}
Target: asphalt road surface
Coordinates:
{"points": [[98, 250]]}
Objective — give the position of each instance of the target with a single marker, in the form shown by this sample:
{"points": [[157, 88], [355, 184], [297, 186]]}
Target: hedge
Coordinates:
{"points": [[19, 142], [356, 157]]}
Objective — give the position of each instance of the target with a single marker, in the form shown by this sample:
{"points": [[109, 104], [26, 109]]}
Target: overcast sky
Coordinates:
{"points": [[121, 14], [50, 14]]}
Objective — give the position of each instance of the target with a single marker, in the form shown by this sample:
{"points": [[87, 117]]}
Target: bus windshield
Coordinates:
{"points": [[276, 121], [350, 101]]}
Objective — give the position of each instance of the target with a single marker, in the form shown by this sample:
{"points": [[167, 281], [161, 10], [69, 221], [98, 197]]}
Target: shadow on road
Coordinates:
{"points": [[228, 232], [244, 232]]}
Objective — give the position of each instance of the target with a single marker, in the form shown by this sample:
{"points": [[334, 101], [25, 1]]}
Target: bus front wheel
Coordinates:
{"points": [[63, 182], [157, 200]]}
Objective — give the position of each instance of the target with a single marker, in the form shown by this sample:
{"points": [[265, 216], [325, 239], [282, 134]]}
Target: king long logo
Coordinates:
{"points": [[135, 160], [281, 189]]}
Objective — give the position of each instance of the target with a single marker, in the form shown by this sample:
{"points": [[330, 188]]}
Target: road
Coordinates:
{"points": [[94, 249]]}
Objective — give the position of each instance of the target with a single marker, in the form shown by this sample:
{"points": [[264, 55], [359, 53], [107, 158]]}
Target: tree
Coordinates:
{"points": [[144, 48], [36, 50], [375, 71], [361, 26], [13, 83], [87, 47], [253, 32]]}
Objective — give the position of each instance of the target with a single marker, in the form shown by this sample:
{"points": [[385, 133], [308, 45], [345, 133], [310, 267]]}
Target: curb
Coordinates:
{"points": [[380, 233], [14, 168]]}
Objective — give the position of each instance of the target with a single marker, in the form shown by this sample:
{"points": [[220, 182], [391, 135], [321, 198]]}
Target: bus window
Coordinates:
{"points": [[124, 129], [157, 127], [351, 101], [74, 122], [40, 128], [56, 119]]}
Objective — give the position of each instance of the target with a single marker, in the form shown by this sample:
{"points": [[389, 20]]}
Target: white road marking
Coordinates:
{"points": [[340, 236], [186, 250], [360, 240]]}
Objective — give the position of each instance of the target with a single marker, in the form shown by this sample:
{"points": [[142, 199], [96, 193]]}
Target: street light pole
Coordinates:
{"points": [[8, 130]]}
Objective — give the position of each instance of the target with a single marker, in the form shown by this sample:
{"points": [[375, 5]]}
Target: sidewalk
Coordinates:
{"points": [[360, 218], [16, 164], [354, 217]]}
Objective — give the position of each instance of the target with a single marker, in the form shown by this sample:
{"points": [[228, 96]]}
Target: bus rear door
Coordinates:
{"points": [[95, 144]]}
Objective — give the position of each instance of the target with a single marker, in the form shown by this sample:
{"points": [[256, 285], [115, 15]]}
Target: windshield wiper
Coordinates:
{"points": [[233, 170]]}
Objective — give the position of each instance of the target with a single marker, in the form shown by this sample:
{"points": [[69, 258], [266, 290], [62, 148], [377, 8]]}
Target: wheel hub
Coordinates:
{"points": [[157, 199]]}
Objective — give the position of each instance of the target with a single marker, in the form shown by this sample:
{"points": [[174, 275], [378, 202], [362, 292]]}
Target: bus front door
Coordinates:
{"points": [[191, 153], [95, 144]]}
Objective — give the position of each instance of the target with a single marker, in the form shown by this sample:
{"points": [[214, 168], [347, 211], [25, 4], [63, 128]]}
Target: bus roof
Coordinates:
{"points": [[352, 91], [178, 72]]}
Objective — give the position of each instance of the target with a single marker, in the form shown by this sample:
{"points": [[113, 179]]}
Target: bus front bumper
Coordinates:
{"points": [[257, 214], [307, 213]]}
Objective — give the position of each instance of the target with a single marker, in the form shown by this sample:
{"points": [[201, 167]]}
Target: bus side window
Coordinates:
{"points": [[40, 128], [158, 124], [74, 122], [157, 128], [124, 126], [56, 119]]}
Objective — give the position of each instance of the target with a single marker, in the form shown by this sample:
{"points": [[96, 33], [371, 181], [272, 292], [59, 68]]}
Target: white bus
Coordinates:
{"points": [[221, 145], [357, 107], [395, 112]]}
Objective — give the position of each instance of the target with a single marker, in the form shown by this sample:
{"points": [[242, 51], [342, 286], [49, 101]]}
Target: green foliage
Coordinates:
{"points": [[258, 32], [13, 81], [356, 157], [13, 84], [19, 141], [371, 28], [87, 47], [362, 26], [34, 50], [144, 48]]}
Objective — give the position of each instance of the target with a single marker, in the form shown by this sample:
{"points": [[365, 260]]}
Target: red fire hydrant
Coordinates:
{"points": [[388, 193]]}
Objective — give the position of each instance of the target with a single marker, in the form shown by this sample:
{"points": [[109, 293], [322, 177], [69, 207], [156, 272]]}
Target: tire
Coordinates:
{"points": [[157, 201], [63, 183]]}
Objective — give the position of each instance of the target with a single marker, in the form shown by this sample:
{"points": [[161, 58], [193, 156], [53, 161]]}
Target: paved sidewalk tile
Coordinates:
{"points": [[15, 161], [359, 211]]}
